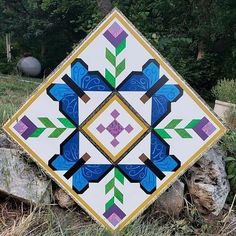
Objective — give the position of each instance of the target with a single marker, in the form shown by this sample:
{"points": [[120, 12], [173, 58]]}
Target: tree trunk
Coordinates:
{"points": [[201, 51], [8, 46], [105, 6]]}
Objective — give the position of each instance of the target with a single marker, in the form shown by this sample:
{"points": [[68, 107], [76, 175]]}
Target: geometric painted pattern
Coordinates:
{"points": [[114, 124], [115, 128]]}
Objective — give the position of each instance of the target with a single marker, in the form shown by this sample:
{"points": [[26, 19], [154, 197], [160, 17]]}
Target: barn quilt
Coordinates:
{"points": [[114, 124]]}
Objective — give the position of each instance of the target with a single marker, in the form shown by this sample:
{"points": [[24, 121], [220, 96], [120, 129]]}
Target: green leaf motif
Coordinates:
{"points": [[110, 203], [120, 47], [110, 185], [192, 124], [120, 67], [110, 57], [37, 132], [119, 176], [162, 133], [173, 123], [183, 133], [66, 123], [57, 132], [110, 78], [118, 195], [46, 122]]}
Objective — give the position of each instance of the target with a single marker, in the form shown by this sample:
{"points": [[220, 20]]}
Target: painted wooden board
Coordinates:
{"points": [[114, 124]]}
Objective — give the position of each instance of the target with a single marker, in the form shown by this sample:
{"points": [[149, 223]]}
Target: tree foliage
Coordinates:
{"points": [[197, 37]]}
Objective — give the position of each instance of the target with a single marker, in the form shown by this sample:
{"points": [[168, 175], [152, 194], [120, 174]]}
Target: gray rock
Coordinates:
{"points": [[207, 182], [20, 180], [5, 142], [63, 199], [171, 202]]}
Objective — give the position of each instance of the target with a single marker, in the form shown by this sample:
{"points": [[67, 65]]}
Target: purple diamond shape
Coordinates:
{"points": [[199, 128], [115, 34], [101, 128], [114, 219], [20, 127], [209, 128], [114, 214], [115, 29], [115, 114], [129, 128], [114, 142], [115, 128], [31, 127]]}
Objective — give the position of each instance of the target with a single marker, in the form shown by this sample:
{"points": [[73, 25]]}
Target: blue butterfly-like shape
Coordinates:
{"points": [[160, 158], [83, 79], [68, 101], [69, 157], [88, 80], [143, 81]]}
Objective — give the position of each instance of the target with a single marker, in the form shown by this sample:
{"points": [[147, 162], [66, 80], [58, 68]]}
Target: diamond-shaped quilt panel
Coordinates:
{"points": [[114, 125]]}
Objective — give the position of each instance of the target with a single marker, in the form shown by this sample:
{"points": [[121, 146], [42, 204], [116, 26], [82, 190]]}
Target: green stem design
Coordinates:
{"points": [[48, 124], [172, 125], [111, 185], [118, 67]]}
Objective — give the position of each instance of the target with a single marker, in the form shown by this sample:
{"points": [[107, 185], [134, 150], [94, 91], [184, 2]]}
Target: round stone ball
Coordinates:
{"points": [[29, 66]]}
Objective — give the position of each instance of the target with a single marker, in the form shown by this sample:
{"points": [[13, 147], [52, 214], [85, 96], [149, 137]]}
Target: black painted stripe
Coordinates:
{"points": [[154, 88], [77, 165], [75, 87], [152, 167]]}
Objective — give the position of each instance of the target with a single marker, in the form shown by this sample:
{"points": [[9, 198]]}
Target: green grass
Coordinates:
{"points": [[14, 90], [54, 221]]}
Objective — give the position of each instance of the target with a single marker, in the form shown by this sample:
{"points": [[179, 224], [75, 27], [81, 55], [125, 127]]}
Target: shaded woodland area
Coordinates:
{"points": [[197, 37]]}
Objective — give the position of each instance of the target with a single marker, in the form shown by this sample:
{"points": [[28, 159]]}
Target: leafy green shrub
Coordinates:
{"points": [[225, 90], [231, 171], [229, 144]]}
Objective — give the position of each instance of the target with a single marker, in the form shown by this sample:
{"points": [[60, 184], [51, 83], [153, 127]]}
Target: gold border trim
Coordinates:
{"points": [[156, 55], [124, 149]]}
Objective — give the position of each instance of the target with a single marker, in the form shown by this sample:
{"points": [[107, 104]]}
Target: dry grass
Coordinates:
{"points": [[17, 219], [231, 118]]}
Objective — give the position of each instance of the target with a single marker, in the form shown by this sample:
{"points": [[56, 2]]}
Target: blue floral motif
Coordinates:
{"points": [[68, 101], [87, 81], [68, 158], [160, 158], [143, 81]]}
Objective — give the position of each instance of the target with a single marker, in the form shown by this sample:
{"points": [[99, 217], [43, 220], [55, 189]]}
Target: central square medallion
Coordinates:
{"points": [[115, 128]]}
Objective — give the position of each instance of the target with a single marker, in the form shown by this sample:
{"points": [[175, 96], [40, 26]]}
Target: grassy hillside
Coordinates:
{"points": [[14, 90]]}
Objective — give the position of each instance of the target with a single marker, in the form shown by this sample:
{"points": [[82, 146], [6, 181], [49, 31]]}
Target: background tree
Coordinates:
{"points": [[197, 37]]}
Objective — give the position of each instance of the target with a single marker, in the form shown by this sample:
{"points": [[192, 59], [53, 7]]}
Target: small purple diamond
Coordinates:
{"points": [[114, 209], [115, 29], [115, 114], [209, 128], [114, 142], [31, 127], [129, 128], [20, 127], [114, 219], [115, 34], [101, 128], [115, 128], [199, 128]]}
